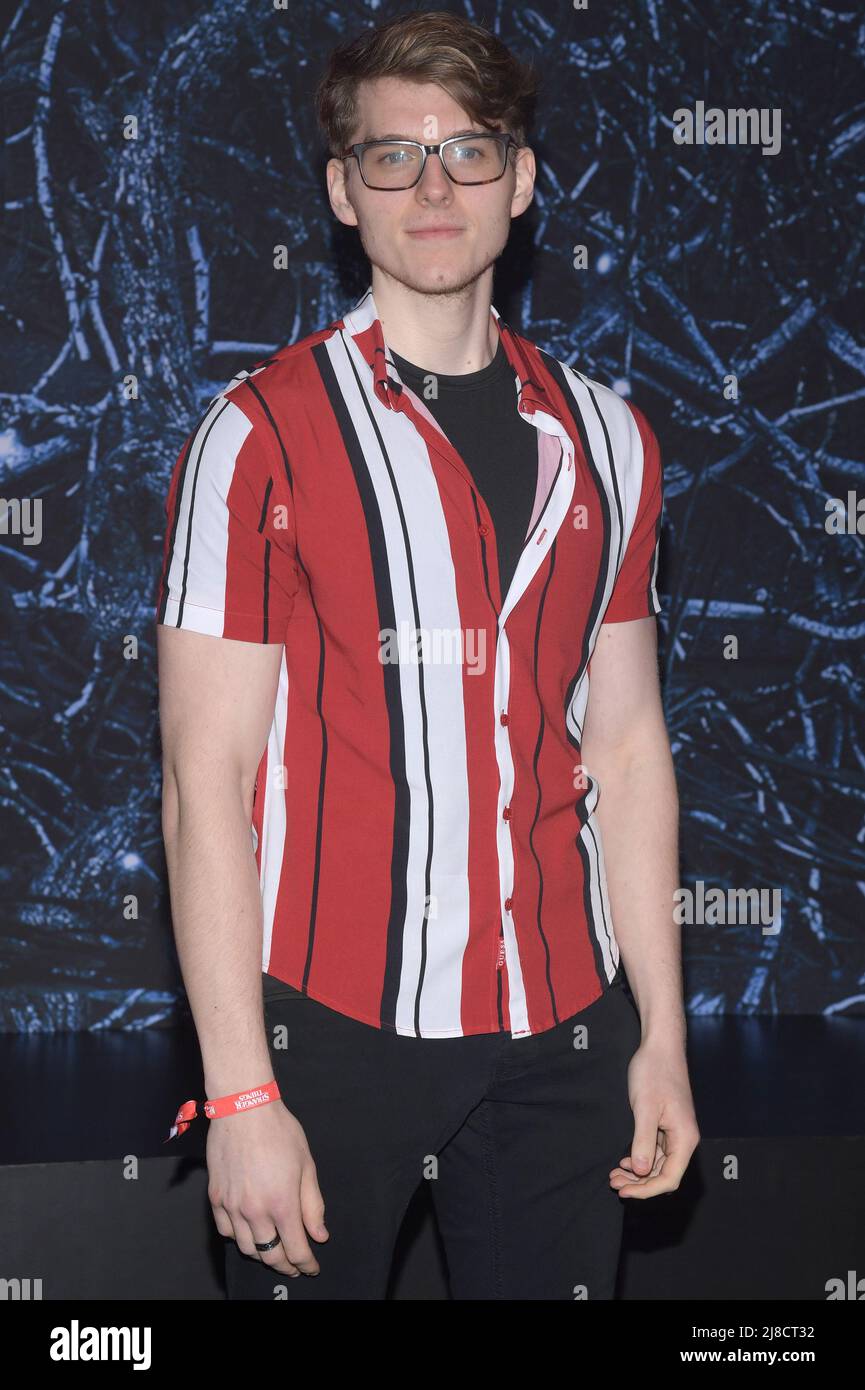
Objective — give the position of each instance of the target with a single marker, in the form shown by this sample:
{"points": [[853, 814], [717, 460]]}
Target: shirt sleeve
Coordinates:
{"points": [[634, 593], [229, 559]]}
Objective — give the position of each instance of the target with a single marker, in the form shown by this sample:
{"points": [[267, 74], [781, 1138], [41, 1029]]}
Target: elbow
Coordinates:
{"points": [[170, 803], [191, 792], [649, 750]]}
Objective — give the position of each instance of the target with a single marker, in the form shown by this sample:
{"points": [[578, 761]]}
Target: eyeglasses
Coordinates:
{"points": [[389, 165]]}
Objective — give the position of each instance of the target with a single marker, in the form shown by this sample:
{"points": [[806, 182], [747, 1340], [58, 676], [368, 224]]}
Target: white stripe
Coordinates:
{"points": [[601, 922], [203, 507], [653, 587], [443, 673], [552, 519], [627, 464], [273, 814], [517, 1005], [447, 931], [549, 523]]}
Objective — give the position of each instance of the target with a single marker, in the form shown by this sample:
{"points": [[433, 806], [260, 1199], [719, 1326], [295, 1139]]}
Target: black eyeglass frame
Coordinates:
{"points": [[357, 150]]}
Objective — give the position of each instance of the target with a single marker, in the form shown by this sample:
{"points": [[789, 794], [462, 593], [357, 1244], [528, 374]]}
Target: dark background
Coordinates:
{"points": [[154, 257]]}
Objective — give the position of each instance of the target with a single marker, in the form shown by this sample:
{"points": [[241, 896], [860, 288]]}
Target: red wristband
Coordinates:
{"points": [[223, 1105]]}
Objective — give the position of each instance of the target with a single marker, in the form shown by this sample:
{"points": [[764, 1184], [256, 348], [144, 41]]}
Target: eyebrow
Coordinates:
{"points": [[395, 135]]}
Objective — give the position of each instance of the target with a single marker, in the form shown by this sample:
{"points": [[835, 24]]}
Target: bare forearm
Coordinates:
{"points": [[638, 812], [216, 909]]}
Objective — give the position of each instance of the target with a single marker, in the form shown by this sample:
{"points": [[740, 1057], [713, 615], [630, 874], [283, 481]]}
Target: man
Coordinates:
{"points": [[407, 634]]}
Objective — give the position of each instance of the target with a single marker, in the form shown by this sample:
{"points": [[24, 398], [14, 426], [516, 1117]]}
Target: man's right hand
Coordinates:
{"points": [[262, 1182]]}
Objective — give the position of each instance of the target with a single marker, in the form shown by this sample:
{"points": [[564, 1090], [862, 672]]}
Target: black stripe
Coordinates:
{"points": [[265, 598], [178, 497], [273, 425], [649, 604], [185, 581], [486, 574], [549, 496], [484, 562], [590, 912], [535, 760], [583, 820], [575, 423], [393, 696], [557, 371], [262, 520], [613, 474], [322, 773]]}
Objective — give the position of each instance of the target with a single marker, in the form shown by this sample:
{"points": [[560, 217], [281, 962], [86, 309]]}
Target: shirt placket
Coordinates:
{"points": [[392, 392], [551, 519]]}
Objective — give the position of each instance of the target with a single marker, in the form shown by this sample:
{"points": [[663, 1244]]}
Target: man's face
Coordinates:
{"points": [[391, 223]]}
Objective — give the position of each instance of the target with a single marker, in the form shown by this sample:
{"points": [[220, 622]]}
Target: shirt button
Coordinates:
{"points": [[508, 904], [503, 718], [483, 529], [506, 813]]}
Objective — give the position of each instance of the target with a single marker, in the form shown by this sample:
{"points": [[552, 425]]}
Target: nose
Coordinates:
{"points": [[434, 182]]}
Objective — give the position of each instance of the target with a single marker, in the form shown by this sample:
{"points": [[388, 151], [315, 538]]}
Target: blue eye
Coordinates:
{"points": [[473, 153]]}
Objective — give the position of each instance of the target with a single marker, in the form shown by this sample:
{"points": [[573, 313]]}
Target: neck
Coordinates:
{"points": [[449, 333]]}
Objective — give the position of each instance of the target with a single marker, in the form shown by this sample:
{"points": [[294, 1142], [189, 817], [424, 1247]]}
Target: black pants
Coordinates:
{"points": [[516, 1136]]}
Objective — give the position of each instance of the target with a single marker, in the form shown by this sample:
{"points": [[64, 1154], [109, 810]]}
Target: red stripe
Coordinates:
{"points": [[354, 883], [477, 616]]}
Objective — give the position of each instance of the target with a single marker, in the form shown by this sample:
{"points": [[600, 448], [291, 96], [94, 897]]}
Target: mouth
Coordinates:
{"points": [[430, 233]]}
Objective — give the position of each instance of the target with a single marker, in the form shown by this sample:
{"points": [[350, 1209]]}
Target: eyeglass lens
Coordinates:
{"points": [[396, 165]]}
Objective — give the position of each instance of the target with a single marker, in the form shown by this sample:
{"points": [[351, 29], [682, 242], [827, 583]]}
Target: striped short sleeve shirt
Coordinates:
{"points": [[425, 835]]}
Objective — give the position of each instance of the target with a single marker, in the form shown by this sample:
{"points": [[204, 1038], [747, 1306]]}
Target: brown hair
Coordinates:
{"points": [[471, 64]]}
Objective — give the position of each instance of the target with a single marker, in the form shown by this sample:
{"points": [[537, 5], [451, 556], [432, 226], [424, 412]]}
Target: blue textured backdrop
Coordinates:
{"points": [[153, 256]]}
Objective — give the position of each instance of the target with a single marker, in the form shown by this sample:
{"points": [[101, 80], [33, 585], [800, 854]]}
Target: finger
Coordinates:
{"points": [[627, 1165], [276, 1258], [261, 1229], [625, 1174], [660, 1153], [645, 1141], [222, 1220], [677, 1156], [623, 1180], [619, 1178], [312, 1205], [295, 1244], [652, 1187], [671, 1170]]}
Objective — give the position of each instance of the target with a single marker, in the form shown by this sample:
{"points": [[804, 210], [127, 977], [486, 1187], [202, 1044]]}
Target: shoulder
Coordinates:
{"points": [[256, 405], [608, 419], [280, 374]]}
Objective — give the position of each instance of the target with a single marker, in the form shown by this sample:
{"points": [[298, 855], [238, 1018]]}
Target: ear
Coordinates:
{"points": [[524, 188], [337, 175]]}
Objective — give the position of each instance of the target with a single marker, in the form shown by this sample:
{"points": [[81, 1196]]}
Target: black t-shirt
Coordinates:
{"points": [[478, 413]]}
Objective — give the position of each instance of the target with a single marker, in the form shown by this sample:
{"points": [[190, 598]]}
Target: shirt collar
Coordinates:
{"points": [[363, 325]]}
